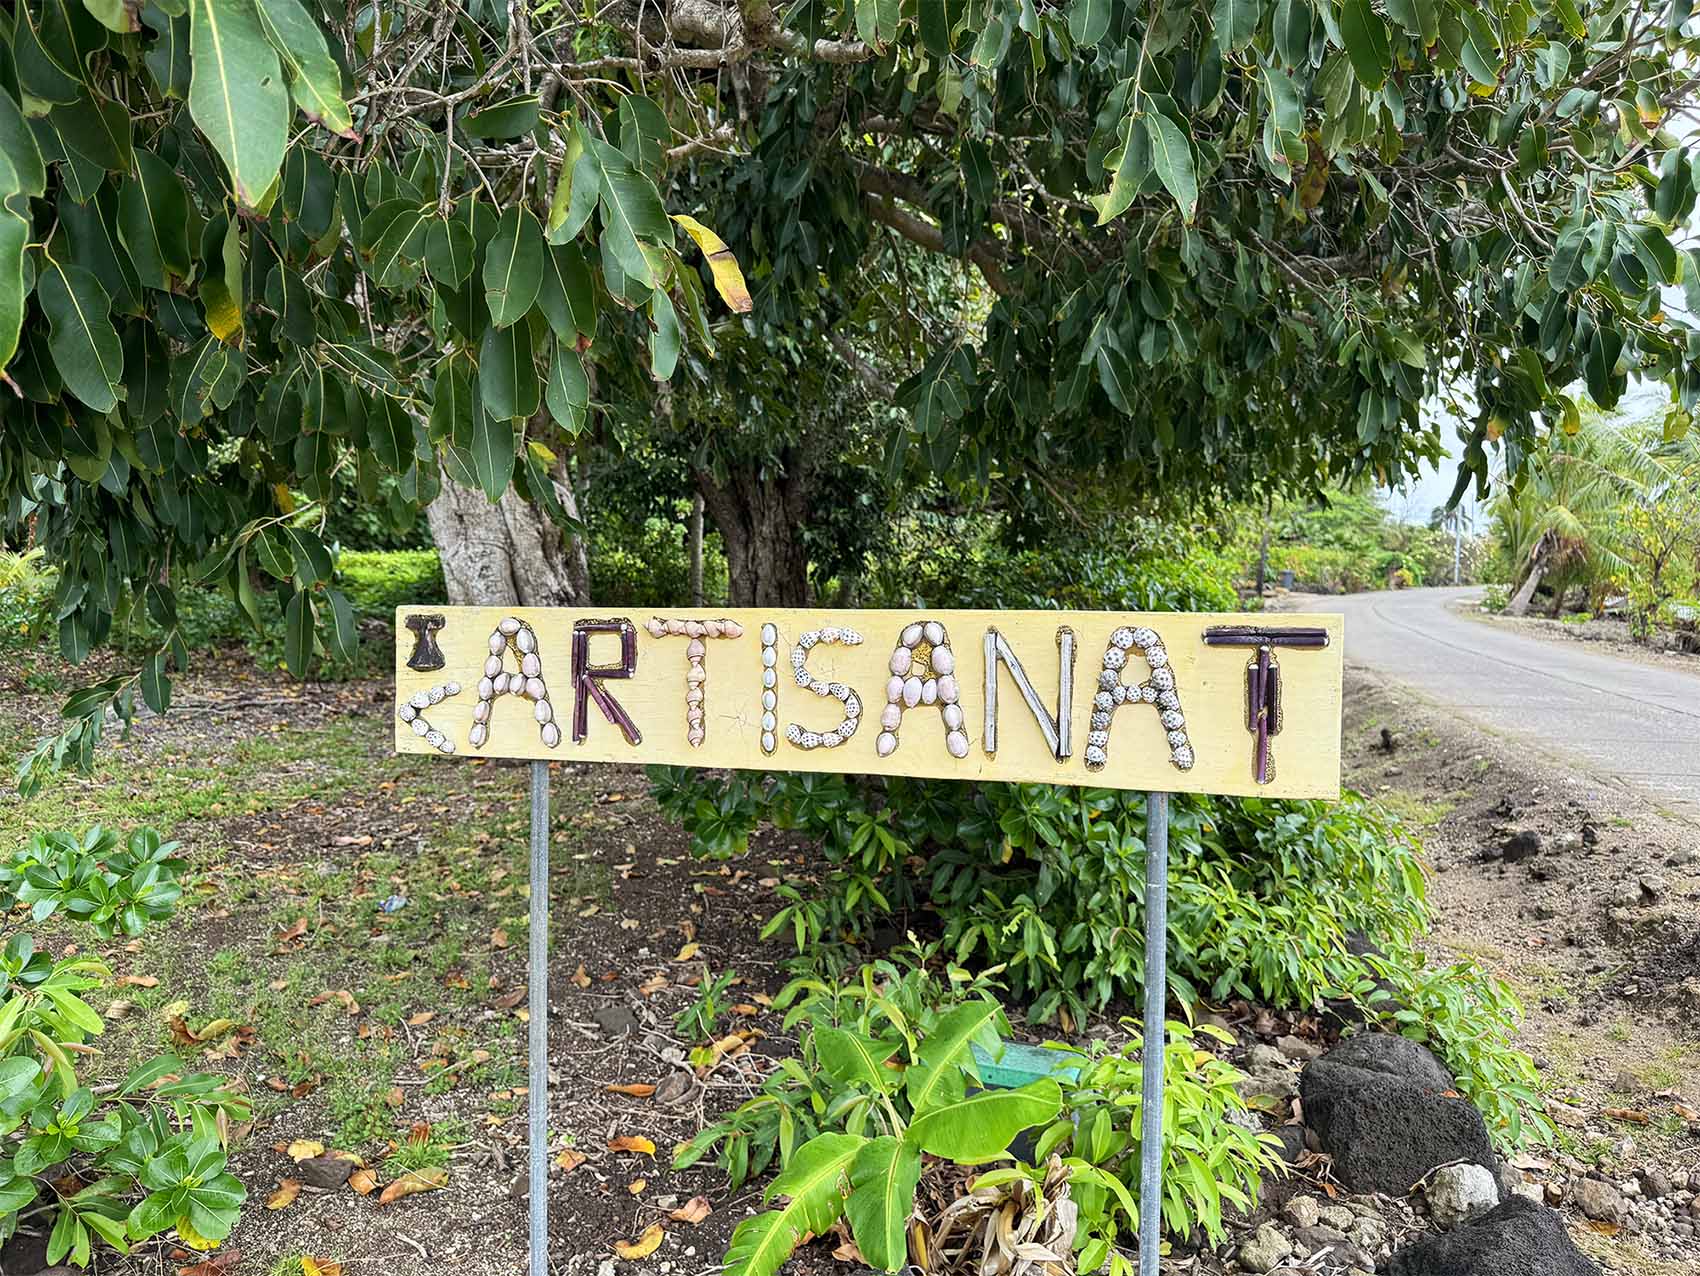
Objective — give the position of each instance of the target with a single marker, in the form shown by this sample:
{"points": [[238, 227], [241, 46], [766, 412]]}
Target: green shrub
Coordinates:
{"points": [[1045, 884], [1208, 1157], [26, 599], [134, 1159], [652, 567], [379, 581]]}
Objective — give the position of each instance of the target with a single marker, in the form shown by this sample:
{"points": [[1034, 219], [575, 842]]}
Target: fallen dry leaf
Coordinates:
{"points": [[636, 1186], [137, 981], [421, 1019], [580, 979], [643, 1246], [498, 938], [635, 1089], [414, 1182], [215, 1266], [284, 1197], [1634, 1115], [688, 951], [692, 1211], [569, 1160], [632, 1143], [311, 1266], [304, 1149], [294, 931], [508, 1000], [363, 1182], [1685, 1112]]}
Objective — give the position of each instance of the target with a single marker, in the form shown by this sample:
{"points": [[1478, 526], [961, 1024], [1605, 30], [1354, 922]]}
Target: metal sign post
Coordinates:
{"points": [[1151, 1059], [538, 1043]]}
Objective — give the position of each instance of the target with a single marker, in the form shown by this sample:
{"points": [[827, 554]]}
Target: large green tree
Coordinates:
{"points": [[410, 253]]}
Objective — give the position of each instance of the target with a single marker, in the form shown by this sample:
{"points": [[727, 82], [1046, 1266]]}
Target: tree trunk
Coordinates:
{"points": [[509, 552], [1519, 604], [759, 511], [696, 550]]}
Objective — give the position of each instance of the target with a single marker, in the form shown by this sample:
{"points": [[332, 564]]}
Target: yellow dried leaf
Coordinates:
{"points": [[643, 1246], [636, 1186], [632, 1143], [194, 1240], [634, 1089], [284, 1197], [311, 1266], [688, 952], [692, 1211], [364, 1182], [414, 1182], [728, 278], [304, 1149], [569, 1160]]}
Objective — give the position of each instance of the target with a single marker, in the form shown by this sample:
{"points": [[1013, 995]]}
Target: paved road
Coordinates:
{"points": [[1639, 723]]}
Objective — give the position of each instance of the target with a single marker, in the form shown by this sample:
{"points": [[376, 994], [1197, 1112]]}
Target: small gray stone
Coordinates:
{"points": [[1370, 1234], [1336, 1245], [1303, 1211], [1298, 1048], [1599, 1200], [1458, 1193], [1655, 1183], [1337, 1217], [1264, 1249], [325, 1171], [615, 1021]]}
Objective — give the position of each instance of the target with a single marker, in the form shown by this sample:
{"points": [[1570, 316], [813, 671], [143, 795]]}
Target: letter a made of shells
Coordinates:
{"points": [[515, 636], [412, 712], [923, 672], [696, 672], [796, 733], [1158, 690]]}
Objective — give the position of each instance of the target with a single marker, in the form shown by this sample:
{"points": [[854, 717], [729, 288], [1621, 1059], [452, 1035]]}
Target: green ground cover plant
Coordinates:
{"points": [[130, 1160]]}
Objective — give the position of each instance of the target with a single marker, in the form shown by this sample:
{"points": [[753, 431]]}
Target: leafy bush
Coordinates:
{"points": [[1046, 885], [646, 564], [379, 581], [1142, 565], [1208, 1156], [26, 596], [135, 1159]]}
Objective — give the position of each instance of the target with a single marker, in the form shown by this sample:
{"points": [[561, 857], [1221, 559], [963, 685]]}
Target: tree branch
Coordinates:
{"points": [[930, 237]]}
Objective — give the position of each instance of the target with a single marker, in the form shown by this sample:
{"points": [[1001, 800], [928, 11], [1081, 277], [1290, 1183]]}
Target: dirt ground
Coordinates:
{"points": [[362, 919]]}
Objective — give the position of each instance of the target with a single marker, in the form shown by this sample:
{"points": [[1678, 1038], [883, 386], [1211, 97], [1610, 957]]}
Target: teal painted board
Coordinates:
{"points": [[1017, 1065]]}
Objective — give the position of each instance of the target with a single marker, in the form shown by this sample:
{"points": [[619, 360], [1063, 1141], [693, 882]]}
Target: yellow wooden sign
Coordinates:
{"points": [[1183, 702]]}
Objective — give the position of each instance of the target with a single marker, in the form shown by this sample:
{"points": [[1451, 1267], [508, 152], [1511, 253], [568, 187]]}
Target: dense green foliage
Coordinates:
{"points": [[1342, 542], [131, 1160], [886, 1060], [1023, 251], [1611, 510], [1268, 901]]}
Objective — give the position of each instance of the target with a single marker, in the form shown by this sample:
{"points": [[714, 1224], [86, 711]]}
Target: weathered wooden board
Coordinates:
{"points": [[1209, 681]]}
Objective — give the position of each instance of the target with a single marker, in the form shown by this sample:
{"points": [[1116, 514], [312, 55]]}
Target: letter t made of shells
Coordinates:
{"points": [[696, 670]]}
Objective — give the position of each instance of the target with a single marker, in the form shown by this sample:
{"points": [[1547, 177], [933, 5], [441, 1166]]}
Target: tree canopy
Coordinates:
{"points": [[254, 254]]}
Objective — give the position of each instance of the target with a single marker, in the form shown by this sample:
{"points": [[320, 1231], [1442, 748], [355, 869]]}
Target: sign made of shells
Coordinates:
{"points": [[1171, 701]]}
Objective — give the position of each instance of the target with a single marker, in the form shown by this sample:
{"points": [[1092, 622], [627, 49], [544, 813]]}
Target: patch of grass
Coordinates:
{"points": [[427, 1148], [1414, 811], [1619, 1031]]}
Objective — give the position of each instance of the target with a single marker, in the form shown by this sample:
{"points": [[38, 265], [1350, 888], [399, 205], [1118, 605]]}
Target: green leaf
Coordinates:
{"points": [[508, 117], [1294, 22], [156, 686], [298, 632], [513, 266], [449, 251], [937, 1077], [1367, 43], [812, 1180], [84, 343], [576, 193], [882, 1197], [492, 453], [981, 1127], [631, 211], [96, 129], [507, 373], [1171, 155], [1129, 165], [1480, 53], [567, 296], [14, 244], [315, 81], [153, 223], [1235, 21], [19, 147], [345, 634], [568, 392], [665, 338], [854, 1059], [237, 95], [1088, 22], [452, 406], [1571, 17]]}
